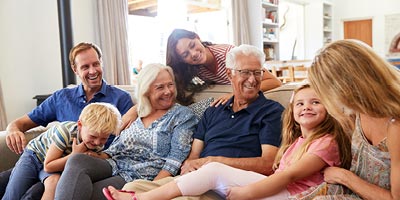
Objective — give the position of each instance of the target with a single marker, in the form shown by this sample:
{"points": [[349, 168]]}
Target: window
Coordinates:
{"points": [[148, 34]]}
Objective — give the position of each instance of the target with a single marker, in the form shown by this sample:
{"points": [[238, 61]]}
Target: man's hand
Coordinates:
{"points": [[15, 138], [16, 141], [192, 165], [78, 148]]}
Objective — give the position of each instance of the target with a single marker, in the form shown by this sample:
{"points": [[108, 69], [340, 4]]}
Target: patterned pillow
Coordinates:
{"points": [[199, 107]]}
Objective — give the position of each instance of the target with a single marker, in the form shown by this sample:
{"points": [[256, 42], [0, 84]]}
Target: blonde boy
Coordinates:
{"points": [[45, 156]]}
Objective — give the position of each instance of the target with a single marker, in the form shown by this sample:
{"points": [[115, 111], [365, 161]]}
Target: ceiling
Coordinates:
{"points": [[149, 7]]}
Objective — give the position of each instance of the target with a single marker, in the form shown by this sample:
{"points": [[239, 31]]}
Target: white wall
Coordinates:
{"points": [[365, 9], [255, 25], [30, 49]]}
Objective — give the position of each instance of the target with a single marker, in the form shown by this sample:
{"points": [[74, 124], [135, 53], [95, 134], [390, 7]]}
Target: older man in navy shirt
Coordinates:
{"points": [[244, 133], [66, 104]]}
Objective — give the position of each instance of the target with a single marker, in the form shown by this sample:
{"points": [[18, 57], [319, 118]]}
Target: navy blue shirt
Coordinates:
{"points": [[67, 104], [241, 134]]}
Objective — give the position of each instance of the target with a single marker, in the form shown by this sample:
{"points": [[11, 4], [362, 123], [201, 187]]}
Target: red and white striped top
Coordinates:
{"points": [[219, 52]]}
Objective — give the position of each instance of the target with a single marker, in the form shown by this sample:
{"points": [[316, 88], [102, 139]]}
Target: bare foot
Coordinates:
{"points": [[121, 195]]}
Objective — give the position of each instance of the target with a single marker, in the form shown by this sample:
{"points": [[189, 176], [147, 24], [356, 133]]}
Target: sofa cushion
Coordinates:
{"points": [[199, 107]]}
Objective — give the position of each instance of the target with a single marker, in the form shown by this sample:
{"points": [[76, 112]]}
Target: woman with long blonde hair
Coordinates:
{"points": [[362, 91]]}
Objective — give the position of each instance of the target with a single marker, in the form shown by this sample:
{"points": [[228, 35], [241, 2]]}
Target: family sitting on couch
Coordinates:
{"points": [[245, 133]]}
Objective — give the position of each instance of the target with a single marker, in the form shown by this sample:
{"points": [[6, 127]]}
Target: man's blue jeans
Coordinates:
{"points": [[24, 175]]}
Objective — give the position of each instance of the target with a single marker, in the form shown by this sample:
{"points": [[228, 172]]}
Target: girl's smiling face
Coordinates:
{"points": [[308, 110]]}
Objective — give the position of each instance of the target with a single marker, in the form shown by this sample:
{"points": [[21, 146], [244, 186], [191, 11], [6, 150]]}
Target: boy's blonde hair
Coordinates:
{"points": [[291, 131], [101, 117]]}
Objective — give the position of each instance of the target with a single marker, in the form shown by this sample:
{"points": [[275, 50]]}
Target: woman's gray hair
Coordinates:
{"points": [[145, 78], [246, 50]]}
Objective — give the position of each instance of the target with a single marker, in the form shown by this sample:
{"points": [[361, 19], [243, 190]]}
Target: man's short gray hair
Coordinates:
{"points": [[246, 50]]}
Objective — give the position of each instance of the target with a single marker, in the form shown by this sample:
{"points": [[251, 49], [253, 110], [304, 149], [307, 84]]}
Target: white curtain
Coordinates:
{"points": [[240, 22], [3, 119], [113, 36]]}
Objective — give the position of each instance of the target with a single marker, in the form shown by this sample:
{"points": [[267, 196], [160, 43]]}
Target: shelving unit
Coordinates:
{"points": [[270, 29], [319, 25], [327, 11]]}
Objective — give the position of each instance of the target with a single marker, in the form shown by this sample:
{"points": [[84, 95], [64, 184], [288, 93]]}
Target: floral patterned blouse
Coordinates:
{"points": [[141, 153]]}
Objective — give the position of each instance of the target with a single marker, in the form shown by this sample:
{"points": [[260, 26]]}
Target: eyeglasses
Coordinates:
{"points": [[245, 73]]}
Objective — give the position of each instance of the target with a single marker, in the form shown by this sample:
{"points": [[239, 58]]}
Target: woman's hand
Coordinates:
{"points": [[334, 175], [221, 100]]}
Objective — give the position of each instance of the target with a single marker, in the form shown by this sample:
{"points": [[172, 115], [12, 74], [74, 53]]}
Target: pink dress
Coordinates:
{"points": [[325, 148]]}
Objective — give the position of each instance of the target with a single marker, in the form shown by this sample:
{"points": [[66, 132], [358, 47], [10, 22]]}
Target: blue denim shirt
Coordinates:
{"points": [[141, 153]]}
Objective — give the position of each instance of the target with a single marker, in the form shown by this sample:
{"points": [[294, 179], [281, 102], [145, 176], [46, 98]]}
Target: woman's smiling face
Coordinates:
{"points": [[162, 91], [191, 51]]}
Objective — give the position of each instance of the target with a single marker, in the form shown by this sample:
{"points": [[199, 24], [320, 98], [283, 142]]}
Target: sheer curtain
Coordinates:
{"points": [[240, 22], [113, 37], [3, 119]]}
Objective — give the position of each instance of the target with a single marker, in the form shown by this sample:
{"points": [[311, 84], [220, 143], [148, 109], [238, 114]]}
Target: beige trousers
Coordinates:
{"points": [[145, 185]]}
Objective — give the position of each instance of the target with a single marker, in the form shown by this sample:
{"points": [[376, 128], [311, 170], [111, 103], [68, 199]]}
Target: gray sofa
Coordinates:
{"points": [[8, 158]]}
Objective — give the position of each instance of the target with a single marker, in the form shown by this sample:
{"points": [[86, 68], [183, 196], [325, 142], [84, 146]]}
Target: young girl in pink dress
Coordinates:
{"points": [[312, 140]]}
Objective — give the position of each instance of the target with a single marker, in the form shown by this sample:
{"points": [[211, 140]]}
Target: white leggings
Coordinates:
{"points": [[219, 178]]}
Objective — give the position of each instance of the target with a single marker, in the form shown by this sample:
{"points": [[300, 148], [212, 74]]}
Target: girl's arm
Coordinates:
{"points": [[365, 189], [309, 164]]}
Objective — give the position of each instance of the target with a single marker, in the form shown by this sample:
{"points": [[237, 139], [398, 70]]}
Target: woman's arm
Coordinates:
{"points": [[365, 189], [162, 174], [269, 81], [309, 164], [181, 139], [128, 118]]}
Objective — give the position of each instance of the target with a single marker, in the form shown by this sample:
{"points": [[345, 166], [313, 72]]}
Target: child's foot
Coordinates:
{"points": [[113, 194]]}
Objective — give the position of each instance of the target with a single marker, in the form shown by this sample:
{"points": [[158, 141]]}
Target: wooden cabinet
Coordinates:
{"points": [[270, 28]]}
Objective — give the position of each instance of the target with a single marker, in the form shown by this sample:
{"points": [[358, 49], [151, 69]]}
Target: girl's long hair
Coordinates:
{"points": [[184, 73], [291, 131]]}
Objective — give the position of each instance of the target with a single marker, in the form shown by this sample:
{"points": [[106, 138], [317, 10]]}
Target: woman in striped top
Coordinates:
{"points": [[197, 64]]}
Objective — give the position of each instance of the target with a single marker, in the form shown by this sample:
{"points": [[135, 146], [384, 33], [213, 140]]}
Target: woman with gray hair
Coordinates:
{"points": [[153, 147]]}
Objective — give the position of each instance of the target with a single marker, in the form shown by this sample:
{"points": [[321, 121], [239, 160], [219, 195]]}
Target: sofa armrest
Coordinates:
{"points": [[9, 158]]}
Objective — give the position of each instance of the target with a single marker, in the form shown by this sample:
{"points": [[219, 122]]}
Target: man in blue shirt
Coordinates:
{"points": [[66, 104], [244, 133]]}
